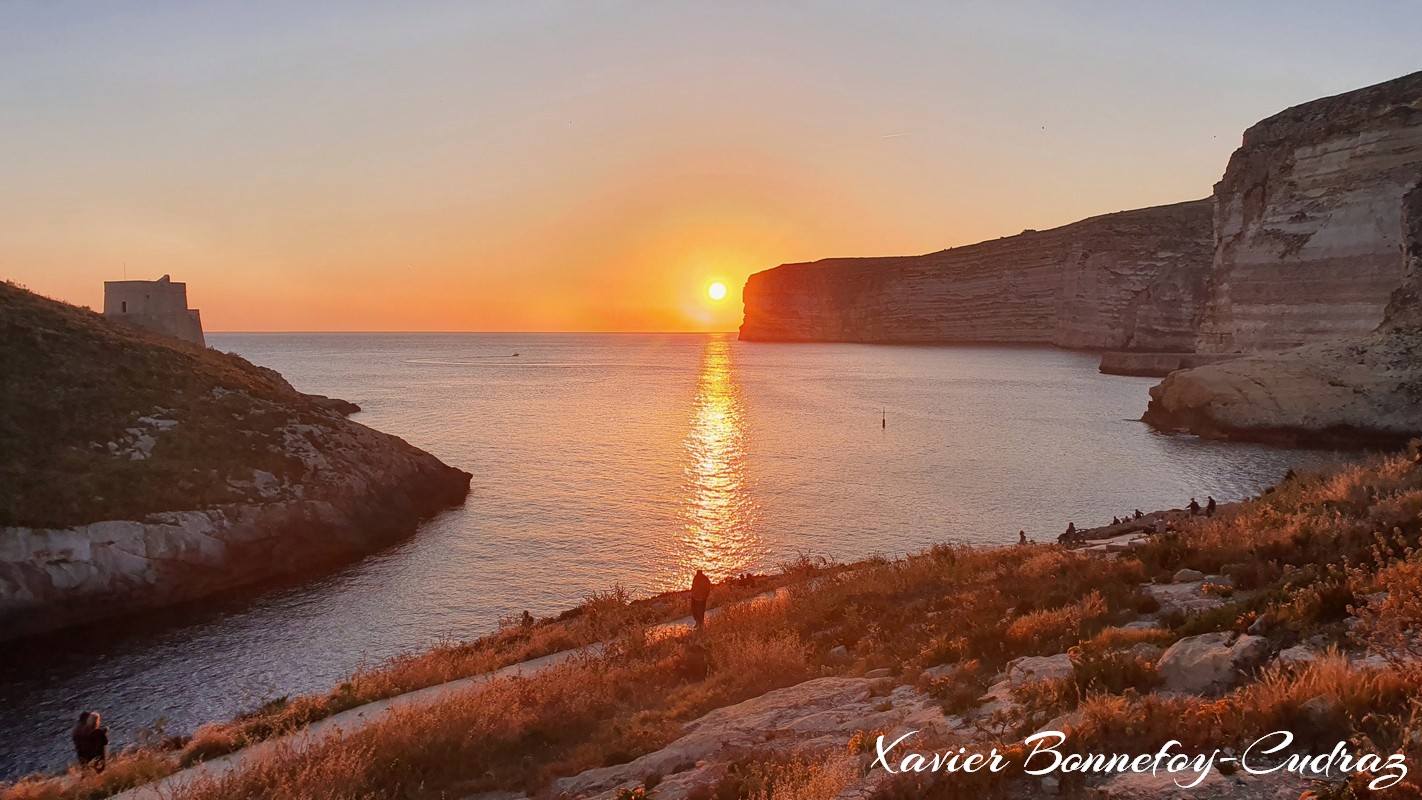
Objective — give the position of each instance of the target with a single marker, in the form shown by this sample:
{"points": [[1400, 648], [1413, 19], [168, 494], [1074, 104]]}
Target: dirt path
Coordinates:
{"points": [[355, 719]]}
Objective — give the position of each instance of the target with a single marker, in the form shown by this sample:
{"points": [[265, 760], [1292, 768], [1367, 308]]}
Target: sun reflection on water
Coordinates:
{"points": [[719, 531]]}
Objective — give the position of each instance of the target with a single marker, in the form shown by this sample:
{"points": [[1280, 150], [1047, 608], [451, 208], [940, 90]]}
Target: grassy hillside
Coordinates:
{"points": [[74, 382], [1330, 562]]}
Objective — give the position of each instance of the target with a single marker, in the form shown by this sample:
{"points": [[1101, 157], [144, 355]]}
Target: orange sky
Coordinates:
{"points": [[594, 166]]}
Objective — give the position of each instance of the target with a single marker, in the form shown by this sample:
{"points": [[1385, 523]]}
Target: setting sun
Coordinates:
{"points": [[717, 291]]}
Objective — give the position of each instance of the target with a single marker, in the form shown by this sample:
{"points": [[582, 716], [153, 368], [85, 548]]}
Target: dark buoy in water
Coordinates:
{"points": [[884, 420]]}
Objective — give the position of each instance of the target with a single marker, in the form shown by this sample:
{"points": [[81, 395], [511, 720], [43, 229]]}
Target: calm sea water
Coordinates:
{"points": [[633, 459]]}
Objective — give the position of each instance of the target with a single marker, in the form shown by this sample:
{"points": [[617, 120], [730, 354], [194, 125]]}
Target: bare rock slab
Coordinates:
{"points": [[1211, 663]]}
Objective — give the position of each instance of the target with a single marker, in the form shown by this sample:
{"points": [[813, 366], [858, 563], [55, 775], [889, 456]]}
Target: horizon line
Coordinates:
{"points": [[533, 333]]}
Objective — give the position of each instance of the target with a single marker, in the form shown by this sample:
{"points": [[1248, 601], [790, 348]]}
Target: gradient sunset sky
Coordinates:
{"points": [[532, 165]]}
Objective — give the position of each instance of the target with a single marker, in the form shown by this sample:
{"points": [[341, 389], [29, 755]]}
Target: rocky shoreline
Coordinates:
{"points": [[374, 491]]}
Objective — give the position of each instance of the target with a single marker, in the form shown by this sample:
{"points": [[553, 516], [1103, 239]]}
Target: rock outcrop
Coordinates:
{"points": [[1134, 280], [1357, 391], [1308, 221], [1211, 663], [141, 471], [820, 714]]}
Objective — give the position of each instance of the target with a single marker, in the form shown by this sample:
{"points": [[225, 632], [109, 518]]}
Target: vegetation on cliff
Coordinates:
{"points": [[1324, 571], [139, 470], [105, 421]]}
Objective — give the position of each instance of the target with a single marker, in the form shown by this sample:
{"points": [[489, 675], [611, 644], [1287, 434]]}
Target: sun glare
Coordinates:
{"points": [[717, 291]]}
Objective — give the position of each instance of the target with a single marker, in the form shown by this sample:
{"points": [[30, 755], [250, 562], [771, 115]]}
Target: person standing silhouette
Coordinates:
{"points": [[91, 740], [700, 593]]}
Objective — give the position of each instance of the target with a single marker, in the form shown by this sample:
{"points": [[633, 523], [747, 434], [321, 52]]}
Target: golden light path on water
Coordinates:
{"points": [[719, 517]]}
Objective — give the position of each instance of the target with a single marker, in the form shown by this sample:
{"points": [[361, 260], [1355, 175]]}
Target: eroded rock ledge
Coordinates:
{"points": [[141, 472]]}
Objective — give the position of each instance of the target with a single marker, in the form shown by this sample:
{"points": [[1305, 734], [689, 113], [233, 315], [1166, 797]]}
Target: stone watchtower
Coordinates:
{"points": [[160, 306]]}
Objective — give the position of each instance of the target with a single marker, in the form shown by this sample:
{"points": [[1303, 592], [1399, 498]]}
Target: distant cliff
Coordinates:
{"points": [[1308, 221], [140, 471], [1302, 248], [1132, 280]]}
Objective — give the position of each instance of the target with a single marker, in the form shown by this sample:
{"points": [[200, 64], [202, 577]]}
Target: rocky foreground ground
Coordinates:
{"points": [[1293, 611]]}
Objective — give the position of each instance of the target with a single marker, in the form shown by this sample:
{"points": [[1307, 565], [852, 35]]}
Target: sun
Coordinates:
{"points": [[716, 291]]}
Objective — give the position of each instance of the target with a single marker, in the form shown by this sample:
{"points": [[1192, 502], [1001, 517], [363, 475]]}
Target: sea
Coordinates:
{"points": [[632, 460]]}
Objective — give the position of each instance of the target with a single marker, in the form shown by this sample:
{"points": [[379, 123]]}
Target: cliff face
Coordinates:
{"points": [[141, 471], [1308, 220], [1358, 390], [1133, 280]]}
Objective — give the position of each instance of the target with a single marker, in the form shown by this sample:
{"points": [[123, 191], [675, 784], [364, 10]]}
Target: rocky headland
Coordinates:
{"points": [[1308, 247], [140, 471]]}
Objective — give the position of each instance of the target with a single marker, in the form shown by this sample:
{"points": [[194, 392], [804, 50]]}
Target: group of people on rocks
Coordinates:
{"points": [[1209, 509], [1073, 536]]}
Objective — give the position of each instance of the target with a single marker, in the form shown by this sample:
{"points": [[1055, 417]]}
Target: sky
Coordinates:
{"points": [[590, 165]]}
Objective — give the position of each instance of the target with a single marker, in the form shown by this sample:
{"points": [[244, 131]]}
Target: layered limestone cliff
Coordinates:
{"points": [[140, 471], [1359, 390], [1133, 280], [1308, 221]]}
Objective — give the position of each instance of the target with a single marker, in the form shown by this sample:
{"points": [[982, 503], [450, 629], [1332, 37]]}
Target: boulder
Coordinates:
{"points": [[1189, 576], [999, 696], [1038, 668], [1187, 598], [1146, 651], [1211, 663], [1296, 656]]}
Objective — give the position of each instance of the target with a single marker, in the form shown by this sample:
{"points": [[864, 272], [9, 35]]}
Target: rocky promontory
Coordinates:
{"points": [[1133, 280], [140, 471]]}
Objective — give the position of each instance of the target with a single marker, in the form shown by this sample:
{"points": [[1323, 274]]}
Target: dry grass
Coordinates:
{"points": [[74, 379], [141, 767], [794, 776], [1325, 702], [520, 734], [1309, 551], [603, 616]]}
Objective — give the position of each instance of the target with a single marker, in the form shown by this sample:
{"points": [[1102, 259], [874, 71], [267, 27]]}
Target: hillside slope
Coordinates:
{"points": [[138, 470]]}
